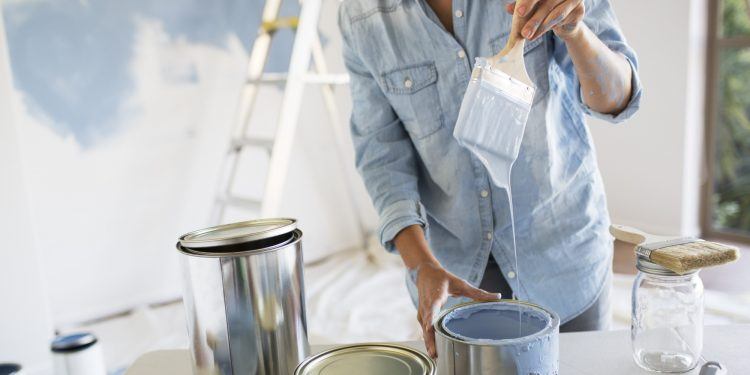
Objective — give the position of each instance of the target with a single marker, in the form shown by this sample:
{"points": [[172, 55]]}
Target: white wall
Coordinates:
{"points": [[651, 165], [25, 325], [107, 215]]}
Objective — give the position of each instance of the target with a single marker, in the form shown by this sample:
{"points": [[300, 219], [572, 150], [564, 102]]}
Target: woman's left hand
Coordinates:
{"points": [[564, 17]]}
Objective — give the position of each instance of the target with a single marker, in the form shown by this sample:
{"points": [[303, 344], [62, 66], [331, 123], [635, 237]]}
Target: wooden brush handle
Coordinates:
{"points": [[634, 236], [515, 34]]}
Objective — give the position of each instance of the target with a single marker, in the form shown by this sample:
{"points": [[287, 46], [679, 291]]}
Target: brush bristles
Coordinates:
{"points": [[694, 255]]}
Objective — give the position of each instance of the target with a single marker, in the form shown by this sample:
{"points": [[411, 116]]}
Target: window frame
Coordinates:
{"points": [[716, 44]]}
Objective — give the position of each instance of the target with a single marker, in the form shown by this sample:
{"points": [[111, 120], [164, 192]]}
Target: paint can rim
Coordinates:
{"points": [[238, 233], [550, 329], [310, 366]]}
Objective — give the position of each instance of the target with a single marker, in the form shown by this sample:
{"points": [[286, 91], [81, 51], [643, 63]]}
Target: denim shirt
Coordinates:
{"points": [[408, 77]]}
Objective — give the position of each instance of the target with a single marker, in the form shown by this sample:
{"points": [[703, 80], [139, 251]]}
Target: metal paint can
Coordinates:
{"points": [[532, 353], [244, 297], [368, 359]]}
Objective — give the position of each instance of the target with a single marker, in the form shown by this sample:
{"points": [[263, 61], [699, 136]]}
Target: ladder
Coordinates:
{"points": [[306, 47]]}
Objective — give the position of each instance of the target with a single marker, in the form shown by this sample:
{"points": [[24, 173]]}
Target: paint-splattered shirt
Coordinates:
{"points": [[408, 77]]}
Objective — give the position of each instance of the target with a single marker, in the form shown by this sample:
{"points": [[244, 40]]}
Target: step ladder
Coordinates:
{"points": [[306, 48]]}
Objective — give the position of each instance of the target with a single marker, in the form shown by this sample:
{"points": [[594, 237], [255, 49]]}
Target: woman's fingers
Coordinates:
{"points": [[464, 289], [557, 16], [428, 312], [525, 6], [535, 21], [510, 7]]}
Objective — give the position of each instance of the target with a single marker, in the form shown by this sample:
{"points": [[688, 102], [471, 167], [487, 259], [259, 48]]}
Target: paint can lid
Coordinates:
{"points": [[73, 342], [238, 233], [368, 359]]}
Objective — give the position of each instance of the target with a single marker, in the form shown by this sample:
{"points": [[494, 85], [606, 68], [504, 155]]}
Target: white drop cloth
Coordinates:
{"points": [[350, 299]]}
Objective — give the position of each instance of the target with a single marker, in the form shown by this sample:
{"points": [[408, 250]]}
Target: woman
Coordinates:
{"points": [[410, 62]]}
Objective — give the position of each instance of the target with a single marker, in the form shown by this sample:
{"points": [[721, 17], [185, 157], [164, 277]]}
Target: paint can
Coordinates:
{"points": [[368, 359], [78, 354], [483, 338], [244, 297]]}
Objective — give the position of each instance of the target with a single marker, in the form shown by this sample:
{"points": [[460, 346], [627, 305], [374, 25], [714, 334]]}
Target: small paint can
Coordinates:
{"points": [[78, 354], [368, 359], [504, 337]]}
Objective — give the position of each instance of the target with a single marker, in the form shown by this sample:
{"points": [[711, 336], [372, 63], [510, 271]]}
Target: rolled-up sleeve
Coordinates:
{"points": [[601, 19], [384, 154]]}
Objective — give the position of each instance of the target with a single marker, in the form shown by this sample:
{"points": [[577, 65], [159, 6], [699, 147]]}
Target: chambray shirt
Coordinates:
{"points": [[408, 77]]}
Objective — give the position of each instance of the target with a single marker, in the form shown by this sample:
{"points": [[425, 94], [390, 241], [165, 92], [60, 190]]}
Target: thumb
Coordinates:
{"points": [[466, 290]]}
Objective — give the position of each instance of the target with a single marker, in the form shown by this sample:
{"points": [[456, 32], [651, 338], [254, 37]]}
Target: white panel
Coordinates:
{"points": [[649, 164], [25, 326]]}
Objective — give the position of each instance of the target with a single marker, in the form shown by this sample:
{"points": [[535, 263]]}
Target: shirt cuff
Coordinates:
{"points": [[398, 216], [633, 104]]}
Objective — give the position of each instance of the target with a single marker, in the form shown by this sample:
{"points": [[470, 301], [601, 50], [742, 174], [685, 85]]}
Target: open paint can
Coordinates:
{"points": [[368, 359], [244, 298], [504, 337]]}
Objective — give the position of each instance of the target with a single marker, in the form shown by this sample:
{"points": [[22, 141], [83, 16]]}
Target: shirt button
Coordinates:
{"points": [[484, 193], [511, 275], [408, 83], [489, 235], [459, 14], [461, 54]]}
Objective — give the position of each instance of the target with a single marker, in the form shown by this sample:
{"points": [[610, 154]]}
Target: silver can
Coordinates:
{"points": [[244, 298], [534, 351]]}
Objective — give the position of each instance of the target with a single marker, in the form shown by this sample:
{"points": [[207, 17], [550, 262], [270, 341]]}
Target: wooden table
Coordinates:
{"points": [[584, 353]]}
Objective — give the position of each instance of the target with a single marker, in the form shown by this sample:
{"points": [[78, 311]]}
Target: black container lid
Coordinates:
{"points": [[73, 342], [9, 368]]}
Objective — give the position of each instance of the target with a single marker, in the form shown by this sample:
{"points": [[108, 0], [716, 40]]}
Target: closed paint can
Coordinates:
{"points": [[504, 337], [244, 298], [78, 354], [368, 359]]}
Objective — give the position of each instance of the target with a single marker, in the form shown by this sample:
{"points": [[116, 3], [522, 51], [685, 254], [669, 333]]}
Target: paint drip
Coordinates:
{"points": [[508, 191]]}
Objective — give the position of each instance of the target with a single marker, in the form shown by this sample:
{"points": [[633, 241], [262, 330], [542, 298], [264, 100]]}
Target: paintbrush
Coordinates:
{"points": [[681, 255], [510, 59]]}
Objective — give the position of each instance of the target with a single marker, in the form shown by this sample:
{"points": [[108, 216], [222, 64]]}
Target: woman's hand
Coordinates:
{"points": [[434, 285], [605, 76], [563, 17]]}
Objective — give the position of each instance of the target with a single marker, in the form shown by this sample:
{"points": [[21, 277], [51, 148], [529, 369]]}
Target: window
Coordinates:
{"points": [[727, 199]]}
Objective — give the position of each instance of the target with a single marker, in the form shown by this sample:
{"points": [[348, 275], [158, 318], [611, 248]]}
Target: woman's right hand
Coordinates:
{"points": [[434, 285]]}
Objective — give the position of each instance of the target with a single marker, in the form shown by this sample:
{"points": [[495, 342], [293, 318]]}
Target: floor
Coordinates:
{"points": [[351, 298]]}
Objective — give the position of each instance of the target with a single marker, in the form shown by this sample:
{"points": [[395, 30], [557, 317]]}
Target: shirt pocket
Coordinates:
{"points": [[536, 59], [413, 94]]}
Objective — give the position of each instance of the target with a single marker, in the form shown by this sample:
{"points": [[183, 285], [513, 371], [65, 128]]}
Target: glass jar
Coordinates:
{"points": [[667, 321]]}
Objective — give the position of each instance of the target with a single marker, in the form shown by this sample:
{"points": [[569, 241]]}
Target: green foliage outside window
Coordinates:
{"points": [[730, 204]]}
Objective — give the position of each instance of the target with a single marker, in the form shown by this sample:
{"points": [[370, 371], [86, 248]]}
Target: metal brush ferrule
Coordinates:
{"points": [[645, 250]]}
